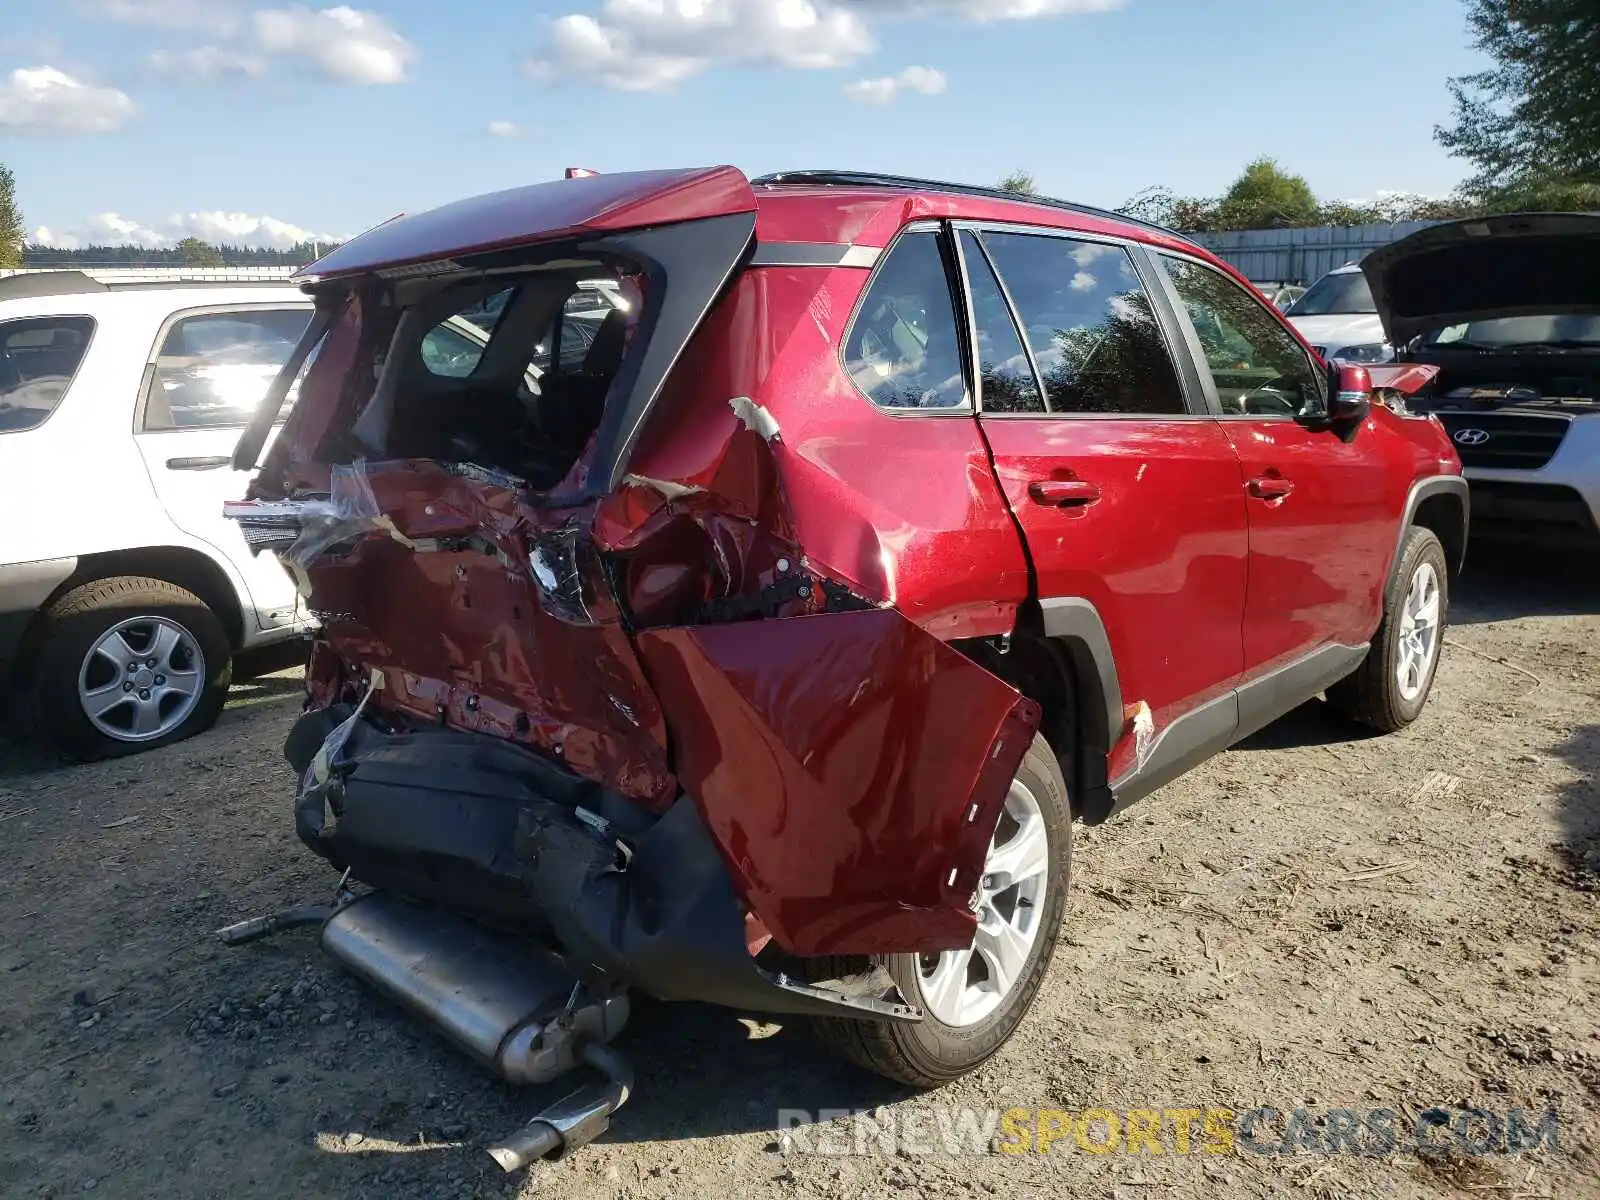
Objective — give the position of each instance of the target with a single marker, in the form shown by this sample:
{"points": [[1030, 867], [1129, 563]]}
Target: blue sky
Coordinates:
{"points": [[257, 120]]}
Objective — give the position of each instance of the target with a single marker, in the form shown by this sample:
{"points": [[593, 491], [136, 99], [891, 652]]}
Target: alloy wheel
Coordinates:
{"points": [[1419, 632], [141, 679], [963, 987]]}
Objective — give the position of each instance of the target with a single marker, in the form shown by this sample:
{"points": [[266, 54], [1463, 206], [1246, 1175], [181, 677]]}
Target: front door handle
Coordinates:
{"points": [[1270, 487], [208, 463], [1063, 493]]}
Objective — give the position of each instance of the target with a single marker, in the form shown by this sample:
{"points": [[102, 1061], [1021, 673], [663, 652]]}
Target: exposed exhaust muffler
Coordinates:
{"points": [[515, 1007]]}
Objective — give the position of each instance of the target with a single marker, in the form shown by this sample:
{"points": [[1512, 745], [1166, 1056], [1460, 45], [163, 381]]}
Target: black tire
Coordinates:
{"points": [[930, 1053], [1372, 694], [78, 620]]}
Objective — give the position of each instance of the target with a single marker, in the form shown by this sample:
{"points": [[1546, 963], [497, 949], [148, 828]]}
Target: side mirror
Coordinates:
{"points": [[1352, 397]]}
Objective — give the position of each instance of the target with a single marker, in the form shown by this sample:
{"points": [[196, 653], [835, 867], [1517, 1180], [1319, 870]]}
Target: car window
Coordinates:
{"points": [[452, 348], [214, 368], [1256, 365], [1007, 381], [1090, 324], [902, 350], [1342, 292], [38, 358], [1521, 331]]}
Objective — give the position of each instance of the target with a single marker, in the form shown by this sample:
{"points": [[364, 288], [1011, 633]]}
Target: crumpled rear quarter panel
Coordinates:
{"points": [[851, 766]]}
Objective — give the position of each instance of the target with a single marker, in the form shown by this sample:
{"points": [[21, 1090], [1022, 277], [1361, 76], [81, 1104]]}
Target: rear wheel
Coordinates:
{"points": [[128, 664], [974, 999], [1390, 687]]}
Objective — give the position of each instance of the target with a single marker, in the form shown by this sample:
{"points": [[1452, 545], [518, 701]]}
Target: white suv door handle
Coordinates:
{"points": [[209, 462]]}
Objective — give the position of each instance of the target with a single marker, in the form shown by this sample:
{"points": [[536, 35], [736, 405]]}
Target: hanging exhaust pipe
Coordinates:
{"points": [[573, 1121], [515, 1007]]}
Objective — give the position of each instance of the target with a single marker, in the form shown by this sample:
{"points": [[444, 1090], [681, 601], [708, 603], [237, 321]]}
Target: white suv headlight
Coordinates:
{"points": [[1371, 352]]}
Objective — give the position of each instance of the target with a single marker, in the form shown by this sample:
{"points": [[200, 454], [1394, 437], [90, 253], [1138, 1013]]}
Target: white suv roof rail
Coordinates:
{"points": [[28, 283]]}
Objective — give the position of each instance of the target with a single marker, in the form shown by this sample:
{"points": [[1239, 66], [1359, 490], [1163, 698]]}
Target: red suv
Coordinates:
{"points": [[734, 590]]}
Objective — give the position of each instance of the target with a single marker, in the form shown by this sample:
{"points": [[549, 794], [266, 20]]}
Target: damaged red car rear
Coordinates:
{"points": [[659, 650]]}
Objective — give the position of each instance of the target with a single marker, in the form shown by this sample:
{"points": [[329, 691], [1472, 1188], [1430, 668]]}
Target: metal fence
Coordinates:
{"points": [[1301, 255]]}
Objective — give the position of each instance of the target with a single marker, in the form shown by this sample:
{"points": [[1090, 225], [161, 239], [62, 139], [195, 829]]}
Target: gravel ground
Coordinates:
{"points": [[1313, 920]]}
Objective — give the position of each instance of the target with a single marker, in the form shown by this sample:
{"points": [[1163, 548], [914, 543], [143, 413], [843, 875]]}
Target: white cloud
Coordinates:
{"points": [[643, 45], [220, 228], [206, 64], [45, 236], [343, 43], [45, 101], [1083, 282], [924, 81], [503, 129], [210, 16]]}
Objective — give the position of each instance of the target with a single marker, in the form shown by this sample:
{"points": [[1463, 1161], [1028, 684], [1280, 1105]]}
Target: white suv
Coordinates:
{"points": [[124, 593]]}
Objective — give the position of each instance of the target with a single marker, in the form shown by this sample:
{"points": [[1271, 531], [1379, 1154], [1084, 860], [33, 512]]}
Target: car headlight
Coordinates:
{"points": [[1371, 352]]}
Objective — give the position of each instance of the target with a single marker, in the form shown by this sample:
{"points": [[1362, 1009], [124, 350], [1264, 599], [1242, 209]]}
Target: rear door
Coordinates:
{"points": [[1321, 507], [209, 370], [1127, 494]]}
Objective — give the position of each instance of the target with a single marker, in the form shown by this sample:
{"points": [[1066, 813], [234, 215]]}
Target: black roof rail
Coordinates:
{"points": [[911, 183]]}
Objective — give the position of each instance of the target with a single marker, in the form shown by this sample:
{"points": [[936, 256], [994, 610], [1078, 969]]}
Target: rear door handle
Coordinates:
{"points": [[1270, 487], [1063, 493], [208, 463]]}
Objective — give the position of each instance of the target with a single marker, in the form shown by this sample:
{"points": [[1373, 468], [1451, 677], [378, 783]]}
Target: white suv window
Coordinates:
{"points": [[38, 358], [214, 368]]}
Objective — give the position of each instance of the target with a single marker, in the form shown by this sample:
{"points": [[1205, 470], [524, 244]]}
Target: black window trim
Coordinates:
{"points": [[975, 367], [1191, 336], [958, 306], [148, 379], [88, 347], [1195, 402]]}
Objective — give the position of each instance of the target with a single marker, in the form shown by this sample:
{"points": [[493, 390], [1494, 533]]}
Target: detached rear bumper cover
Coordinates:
{"points": [[485, 827], [848, 769]]}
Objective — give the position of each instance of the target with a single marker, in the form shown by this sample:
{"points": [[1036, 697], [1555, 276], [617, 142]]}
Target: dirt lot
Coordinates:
{"points": [[1312, 920]]}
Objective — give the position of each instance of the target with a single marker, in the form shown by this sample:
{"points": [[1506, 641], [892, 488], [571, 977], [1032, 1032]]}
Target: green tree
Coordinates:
{"points": [[1266, 197], [1530, 124], [1020, 182], [11, 232], [192, 252], [1161, 206]]}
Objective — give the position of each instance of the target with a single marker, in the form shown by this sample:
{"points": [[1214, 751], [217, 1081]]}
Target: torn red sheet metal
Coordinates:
{"points": [[1405, 378], [851, 768], [483, 616]]}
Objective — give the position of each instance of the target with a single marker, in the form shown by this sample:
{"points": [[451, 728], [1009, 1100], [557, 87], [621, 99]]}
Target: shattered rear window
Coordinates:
{"points": [[515, 377]]}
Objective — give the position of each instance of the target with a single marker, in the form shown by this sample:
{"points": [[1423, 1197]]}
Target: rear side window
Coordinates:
{"points": [[1005, 373], [38, 358], [903, 350], [1090, 324], [214, 368]]}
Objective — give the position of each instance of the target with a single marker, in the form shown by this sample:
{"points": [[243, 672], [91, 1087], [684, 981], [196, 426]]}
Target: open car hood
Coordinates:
{"points": [[1521, 264]]}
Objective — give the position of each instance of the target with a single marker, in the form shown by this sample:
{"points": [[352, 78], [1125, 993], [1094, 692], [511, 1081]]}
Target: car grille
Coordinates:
{"points": [[1505, 441]]}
